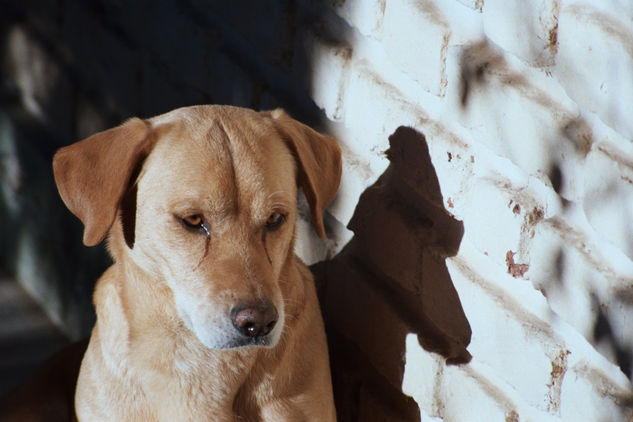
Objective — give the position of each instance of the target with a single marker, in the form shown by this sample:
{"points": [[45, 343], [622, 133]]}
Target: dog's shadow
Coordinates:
{"points": [[391, 280]]}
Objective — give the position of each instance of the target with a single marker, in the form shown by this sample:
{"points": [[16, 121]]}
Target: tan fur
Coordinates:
{"points": [[161, 348]]}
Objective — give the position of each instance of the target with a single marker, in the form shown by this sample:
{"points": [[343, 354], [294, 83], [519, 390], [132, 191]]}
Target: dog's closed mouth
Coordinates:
{"points": [[242, 342]]}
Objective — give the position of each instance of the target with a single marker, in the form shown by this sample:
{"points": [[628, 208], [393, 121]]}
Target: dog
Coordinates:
{"points": [[206, 313]]}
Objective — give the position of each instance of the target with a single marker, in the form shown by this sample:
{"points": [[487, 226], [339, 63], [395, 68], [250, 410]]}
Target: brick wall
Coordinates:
{"points": [[482, 268]]}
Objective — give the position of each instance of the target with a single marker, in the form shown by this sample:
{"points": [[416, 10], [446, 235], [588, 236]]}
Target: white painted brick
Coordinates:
{"points": [[492, 216], [518, 113], [526, 29], [560, 273], [608, 200], [473, 4], [454, 164], [366, 16], [422, 378], [373, 110], [498, 201], [416, 38], [330, 74], [465, 23], [588, 395], [595, 61]]}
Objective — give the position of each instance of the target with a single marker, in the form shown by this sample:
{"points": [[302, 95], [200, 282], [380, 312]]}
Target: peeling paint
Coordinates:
{"points": [[559, 369], [516, 270], [512, 416], [535, 216]]}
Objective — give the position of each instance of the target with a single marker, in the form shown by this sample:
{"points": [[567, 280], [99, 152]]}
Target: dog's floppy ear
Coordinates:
{"points": [[319, 164], [92, 175]]}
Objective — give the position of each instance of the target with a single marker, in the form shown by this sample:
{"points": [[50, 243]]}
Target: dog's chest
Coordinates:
{"points": [[194, 384]]}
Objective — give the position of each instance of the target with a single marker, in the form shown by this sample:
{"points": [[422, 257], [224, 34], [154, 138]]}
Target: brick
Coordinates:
{"points": [[366, 16], [311, 249], [374, 109], [492, 218], [473, 4], [607, 199], [382, 313], [374, 407], [602, 400], [560, 273], [595, 49], [357, 176], [528, 30], [416, 33], [423, 376], [330, 73]]}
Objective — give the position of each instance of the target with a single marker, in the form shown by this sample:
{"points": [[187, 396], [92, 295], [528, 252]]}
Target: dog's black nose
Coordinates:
{"points": [[255, 319]]}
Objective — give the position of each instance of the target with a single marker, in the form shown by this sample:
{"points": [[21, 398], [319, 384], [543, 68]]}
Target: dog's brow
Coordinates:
{"points": [[280, 196]]}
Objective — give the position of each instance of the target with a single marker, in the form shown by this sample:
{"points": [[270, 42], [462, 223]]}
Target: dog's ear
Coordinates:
{"points": [[92, 175], [319, 164]]}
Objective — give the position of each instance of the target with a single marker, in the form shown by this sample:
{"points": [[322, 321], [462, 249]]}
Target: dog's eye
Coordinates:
{"points": [[193, 221], [275, 221]]}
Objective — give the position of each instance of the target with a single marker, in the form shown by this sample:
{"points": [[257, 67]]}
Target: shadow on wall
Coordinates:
{"points": [[389, 281]]}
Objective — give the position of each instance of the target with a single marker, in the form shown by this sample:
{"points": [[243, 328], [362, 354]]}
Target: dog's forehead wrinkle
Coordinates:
{"points": [[239, 148]]}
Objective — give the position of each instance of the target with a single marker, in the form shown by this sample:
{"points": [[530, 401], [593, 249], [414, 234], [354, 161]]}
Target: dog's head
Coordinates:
{"points": [[203, 199]]}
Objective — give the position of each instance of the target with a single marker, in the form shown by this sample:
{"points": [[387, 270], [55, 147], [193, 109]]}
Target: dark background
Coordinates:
{"points": [[72, 68]]}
